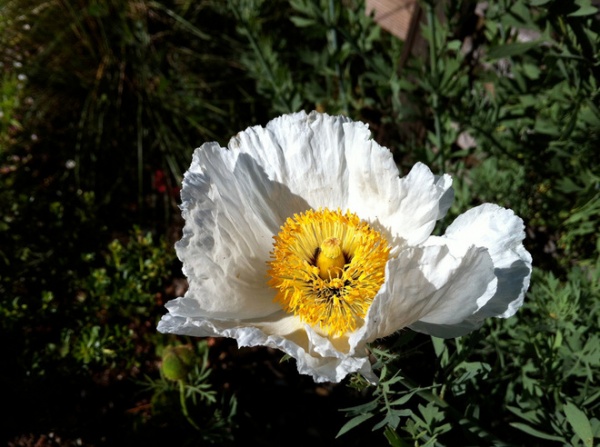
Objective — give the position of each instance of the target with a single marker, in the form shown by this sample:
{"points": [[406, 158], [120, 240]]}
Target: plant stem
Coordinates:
{"points": [[184, 409]]}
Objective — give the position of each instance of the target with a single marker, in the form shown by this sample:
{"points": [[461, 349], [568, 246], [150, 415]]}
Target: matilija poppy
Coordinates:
{"points": [[302, 236]]}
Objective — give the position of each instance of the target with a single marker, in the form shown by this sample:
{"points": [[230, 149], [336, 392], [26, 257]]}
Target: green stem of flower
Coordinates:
{"points": [[183, 403]]}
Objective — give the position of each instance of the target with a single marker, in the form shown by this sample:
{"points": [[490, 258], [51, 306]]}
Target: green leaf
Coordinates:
{"points": [[532, 71], [354, 422], [580, 423], [512, 49], [393, 438], [391, 420], [402, 400], [363, 408], [584, 10], [594, 396], [533, 432], [302, 22]]}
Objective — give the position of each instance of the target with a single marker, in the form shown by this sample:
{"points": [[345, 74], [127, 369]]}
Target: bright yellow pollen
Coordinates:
{"points": [[330, 260], [327, 267]]}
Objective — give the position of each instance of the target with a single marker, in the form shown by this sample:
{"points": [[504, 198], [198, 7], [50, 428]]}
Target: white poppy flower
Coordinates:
{"points": [[303, 237]]}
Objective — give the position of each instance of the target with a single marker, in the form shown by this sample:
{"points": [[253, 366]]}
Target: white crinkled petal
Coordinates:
{"points": [[315, 356], [440, 284], [303, 152], [332, 162], [231, 211], [501, 232], [338, 363], [407, 207]]}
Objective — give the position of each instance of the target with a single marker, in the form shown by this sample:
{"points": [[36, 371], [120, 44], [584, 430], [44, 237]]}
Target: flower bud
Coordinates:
{"points": [[177, 361]]}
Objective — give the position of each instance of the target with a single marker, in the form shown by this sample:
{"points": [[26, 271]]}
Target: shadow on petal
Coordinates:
{"points": [[511, 287], [231, 217], [512, 284]]}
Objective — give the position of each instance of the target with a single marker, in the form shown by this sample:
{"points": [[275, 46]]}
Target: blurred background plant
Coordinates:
{"points": [[101, 104]]}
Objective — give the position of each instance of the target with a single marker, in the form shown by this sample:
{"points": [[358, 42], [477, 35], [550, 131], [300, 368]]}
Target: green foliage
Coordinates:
{"points": [[94, 324], [559, 363], [317, 54], [123, 87], [387, 401], [211, 420], [422, 415], [9, 103], [105, 326], [114, 299]]}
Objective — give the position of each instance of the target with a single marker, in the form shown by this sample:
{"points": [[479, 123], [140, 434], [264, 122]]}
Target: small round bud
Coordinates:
{"points": [[177, 361]]}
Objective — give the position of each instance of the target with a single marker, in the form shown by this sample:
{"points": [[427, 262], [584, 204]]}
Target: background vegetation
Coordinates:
{"points": [[101, 104]]}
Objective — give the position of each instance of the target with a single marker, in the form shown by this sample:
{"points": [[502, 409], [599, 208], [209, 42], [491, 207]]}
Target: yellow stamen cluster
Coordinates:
{"points": [[327, 267]]}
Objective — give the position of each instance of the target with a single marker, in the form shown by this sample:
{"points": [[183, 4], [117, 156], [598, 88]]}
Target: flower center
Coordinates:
{"points": [[327, 267]]}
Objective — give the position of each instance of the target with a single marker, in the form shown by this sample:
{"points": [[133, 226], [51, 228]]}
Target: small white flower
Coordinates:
{"points": [[303, 237]]}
